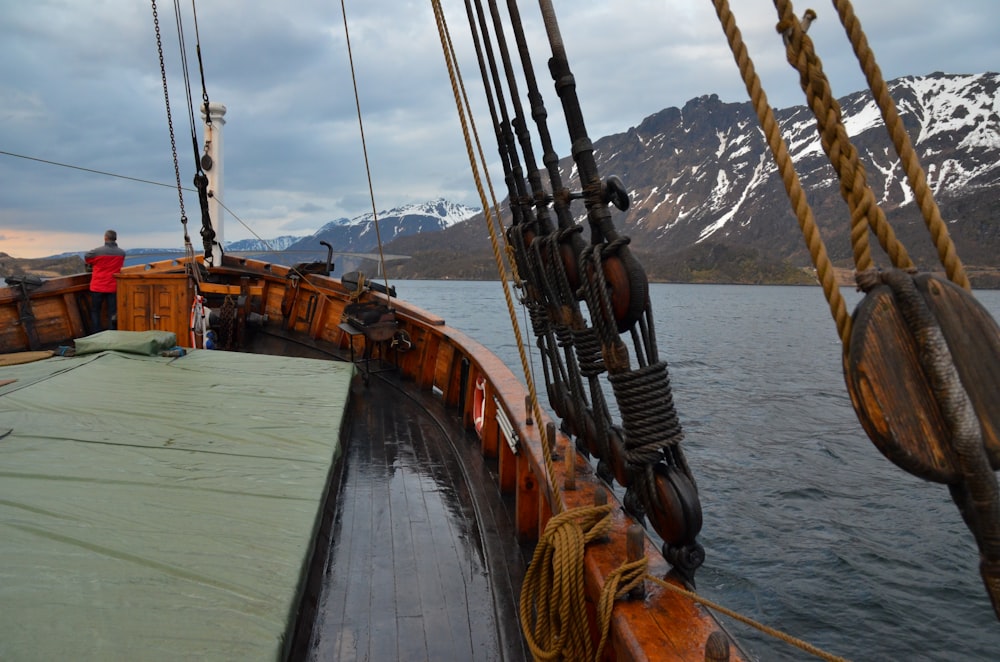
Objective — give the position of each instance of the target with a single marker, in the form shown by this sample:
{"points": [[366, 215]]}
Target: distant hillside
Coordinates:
{"points": [[46, 267]]}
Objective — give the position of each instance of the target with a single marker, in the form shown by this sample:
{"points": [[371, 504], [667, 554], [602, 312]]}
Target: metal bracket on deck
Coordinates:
{"points": [[508, 430], [26, 316]]}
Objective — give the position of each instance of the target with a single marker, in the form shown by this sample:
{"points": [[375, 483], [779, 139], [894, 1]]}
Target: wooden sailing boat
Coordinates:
{"points": [[530, 487]]}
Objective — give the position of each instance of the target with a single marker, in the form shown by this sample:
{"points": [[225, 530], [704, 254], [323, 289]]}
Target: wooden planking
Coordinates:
{"points": [[428, 359], [71, 304], [442, 366], [408, 576], [256, 290], [12, 335]]}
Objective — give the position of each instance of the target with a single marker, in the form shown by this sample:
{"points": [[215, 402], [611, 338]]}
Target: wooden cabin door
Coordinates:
{"points": [[158, 303]]}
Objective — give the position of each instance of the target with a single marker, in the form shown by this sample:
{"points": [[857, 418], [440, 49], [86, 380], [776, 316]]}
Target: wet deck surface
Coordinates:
{"points": [[410, 574]]}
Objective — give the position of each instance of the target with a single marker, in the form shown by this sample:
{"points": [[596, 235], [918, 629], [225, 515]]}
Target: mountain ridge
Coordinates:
{"points": [[704, 191], [702, 175]]}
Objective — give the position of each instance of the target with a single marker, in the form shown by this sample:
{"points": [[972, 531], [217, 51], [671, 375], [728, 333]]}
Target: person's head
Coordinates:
{"points": [[110, 235]]}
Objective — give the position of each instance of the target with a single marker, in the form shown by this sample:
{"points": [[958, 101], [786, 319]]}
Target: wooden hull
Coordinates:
{"points": [[305, 314]]}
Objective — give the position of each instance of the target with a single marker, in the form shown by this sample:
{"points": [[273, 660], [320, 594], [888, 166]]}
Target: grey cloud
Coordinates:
{"points": [[81, 85]]}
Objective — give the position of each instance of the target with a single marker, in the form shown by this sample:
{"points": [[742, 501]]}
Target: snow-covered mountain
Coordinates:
{"points": [[250, 245], [358, 234], [703, 173]]}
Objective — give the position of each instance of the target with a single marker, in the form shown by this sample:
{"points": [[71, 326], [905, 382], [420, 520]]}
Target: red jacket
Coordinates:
{"points": [[106, 262]]}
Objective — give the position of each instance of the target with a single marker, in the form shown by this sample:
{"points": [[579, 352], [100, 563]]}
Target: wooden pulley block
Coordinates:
{"points": [[528, 235], [571, 264], [678, 520], [891, 392], [629, 289], [617, 461]]}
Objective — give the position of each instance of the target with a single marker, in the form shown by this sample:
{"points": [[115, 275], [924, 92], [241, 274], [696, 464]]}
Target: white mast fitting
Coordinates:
{"points": [[212, 164]]}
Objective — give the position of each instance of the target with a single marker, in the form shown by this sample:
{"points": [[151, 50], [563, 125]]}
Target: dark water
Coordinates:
{"points": [[807, 528]]}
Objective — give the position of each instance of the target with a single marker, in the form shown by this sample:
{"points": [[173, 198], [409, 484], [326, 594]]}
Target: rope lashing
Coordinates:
{"points": [[777, 634], [978, 495], [650, 420]]}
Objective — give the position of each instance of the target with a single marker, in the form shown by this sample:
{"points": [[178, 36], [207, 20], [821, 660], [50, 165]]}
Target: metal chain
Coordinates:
{"points": [[170, 123]]}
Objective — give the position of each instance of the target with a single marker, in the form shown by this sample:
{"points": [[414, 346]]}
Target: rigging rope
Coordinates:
{"points": [[200, 179], [472, 137], [901, 321], [854, 189], [777, 634], [170, 124], [789, 177], [901, 142], [537, 604], [364, 148]]}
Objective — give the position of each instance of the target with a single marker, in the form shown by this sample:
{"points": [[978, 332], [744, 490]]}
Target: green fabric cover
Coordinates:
{"points": [[161, 509], [146, 343]]}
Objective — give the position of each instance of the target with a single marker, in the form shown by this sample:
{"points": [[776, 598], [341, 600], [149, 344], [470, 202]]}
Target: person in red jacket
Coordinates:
{"points": [[104, 262]]}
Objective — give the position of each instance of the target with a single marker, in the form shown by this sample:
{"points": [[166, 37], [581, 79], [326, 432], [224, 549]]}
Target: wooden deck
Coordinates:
{"points": [[411, 574]]}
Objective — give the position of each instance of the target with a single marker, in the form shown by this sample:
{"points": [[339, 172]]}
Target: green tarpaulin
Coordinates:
{"points": [[157, 508]]}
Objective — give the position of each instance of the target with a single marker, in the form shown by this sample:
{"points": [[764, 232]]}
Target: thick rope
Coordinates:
{"points": [[553, 604], [789, 177], [901, 141], [777, 634], [364, 146], [978, 494], [854, 188]]}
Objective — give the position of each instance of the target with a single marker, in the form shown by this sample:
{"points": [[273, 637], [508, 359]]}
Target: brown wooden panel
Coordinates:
{"points": [[51, 322], [442, 366], [135, 307], [425, 371], [526, 501], [72, 305], [231, 290], [171, 310], [507, 469], [12, 336], [409, 361], [491, 429], [452, 390]]}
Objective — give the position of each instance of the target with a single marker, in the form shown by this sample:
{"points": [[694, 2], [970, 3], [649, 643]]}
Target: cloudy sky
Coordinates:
{"points": [[80, 85]]}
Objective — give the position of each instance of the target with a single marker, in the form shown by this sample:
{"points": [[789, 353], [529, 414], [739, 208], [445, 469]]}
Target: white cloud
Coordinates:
{"points": [[81, 85]]}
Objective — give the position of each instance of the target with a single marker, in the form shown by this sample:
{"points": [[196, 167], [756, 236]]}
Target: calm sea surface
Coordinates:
{"points": [[807, 528]]}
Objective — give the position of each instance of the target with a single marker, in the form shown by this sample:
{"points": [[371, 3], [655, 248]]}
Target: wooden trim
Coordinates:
{"points": [[231, 290]]}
